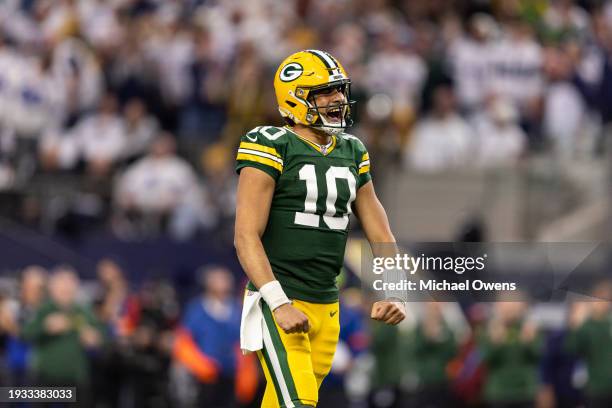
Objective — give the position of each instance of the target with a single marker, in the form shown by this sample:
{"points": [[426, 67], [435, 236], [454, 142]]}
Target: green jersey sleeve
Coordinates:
{"points": [[260, 148]]}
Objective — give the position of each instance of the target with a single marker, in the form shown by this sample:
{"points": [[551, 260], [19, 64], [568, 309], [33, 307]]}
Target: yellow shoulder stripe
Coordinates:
{"points": [[258, 147], [259, 159], [366, 156], [364, 169]]}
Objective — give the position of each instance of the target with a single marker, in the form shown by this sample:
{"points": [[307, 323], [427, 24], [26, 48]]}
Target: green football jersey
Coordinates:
{"points": [[307, 228]]}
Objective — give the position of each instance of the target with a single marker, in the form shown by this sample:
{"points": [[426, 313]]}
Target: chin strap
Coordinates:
{"points": [[329, 128], [332, 131]]}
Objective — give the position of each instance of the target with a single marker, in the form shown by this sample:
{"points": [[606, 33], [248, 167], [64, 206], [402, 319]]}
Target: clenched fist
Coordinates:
{"points": [[388, 312], [291, 319]]}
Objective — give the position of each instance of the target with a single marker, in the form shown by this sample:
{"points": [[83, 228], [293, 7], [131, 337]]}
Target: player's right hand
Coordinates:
{"points": [[291, 319]]}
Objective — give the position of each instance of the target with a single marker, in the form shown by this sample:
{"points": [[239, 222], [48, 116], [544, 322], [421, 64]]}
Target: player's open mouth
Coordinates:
{"points": [[334, 114]]}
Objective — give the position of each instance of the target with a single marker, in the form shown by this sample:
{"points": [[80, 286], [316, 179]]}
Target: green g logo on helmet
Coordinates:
{"points": [[291, 72]]}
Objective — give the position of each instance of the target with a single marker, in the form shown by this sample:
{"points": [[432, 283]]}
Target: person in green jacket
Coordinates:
{"points": [[511, 350], [385, 347], [434, 348], [590, 338], [61, 333]]}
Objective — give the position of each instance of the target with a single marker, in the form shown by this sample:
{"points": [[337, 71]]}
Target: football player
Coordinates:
{"points": [[297, 187]]}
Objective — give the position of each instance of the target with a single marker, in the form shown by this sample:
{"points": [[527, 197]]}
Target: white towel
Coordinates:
{"points": [[251, 323]]}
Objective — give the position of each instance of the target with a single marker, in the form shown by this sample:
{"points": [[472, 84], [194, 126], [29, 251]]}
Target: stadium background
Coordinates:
{"points": [[119, 120]]}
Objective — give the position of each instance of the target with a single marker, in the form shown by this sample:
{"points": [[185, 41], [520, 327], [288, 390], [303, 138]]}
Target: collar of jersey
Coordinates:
{"points": [[330, 146]]}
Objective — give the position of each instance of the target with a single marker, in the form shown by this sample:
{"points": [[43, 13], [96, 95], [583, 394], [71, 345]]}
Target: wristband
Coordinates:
{"points": [[273, 294]]}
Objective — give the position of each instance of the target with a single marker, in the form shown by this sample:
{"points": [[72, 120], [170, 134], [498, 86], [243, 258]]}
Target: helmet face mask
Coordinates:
{"points": [[335, 117], [297, 82]]}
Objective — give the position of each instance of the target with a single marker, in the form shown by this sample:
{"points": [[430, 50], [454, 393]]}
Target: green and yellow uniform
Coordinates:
{"points": [[304, 240]]}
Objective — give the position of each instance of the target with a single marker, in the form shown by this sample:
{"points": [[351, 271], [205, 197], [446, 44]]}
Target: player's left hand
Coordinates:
{"points": [[388, 312]]}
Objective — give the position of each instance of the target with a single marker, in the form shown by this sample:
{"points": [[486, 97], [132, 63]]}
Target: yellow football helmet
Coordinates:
{"points": [[301, 75]]}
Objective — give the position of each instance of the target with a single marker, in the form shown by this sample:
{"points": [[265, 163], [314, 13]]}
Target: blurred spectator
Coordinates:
{"points": [[141, 128], [511, 351], [442, 140], [385, 347], [593, 73], [564, 19], [14, 316], [172, 49], [62, 332], [204, 114], [590, 338], [112, 305], [396, 71], [37, 102], [245, 97], [499, 139], [98, 139], [146, 362], [162, 190], [156, 305], [78, 73], [469, 58], [564, 109], [561, 369], [208, 343], [516, 64], [7, 175], [113, 294], [348, 40], [57, 150], [434, 348], [145, 350], [101, 137], [467, 370]]}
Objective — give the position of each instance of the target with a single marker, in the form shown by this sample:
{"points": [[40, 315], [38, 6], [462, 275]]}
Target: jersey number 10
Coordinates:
{"points": [[309, 217]]}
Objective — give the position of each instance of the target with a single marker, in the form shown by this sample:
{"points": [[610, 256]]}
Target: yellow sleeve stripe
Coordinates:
{"points": [[365, 157], [258, 147], [364, 169], [260, 159]]}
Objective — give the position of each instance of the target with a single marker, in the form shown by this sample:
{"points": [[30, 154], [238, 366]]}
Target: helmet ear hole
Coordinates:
{"points": [[292, 104]]}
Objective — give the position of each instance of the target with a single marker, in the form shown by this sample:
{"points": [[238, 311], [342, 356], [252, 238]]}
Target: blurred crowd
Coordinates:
{"points": [[149, 346], [124, 115]]}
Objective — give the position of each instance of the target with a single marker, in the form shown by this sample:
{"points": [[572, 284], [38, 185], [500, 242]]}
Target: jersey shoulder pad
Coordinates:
{"points": [[356, 144], [354, 141], [266, 135], [263, 147]]}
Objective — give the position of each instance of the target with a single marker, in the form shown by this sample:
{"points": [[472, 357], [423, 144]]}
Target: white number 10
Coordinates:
{"points": [[309, 216]]}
